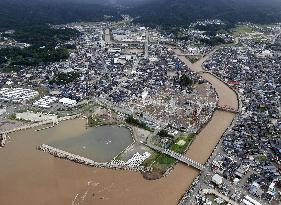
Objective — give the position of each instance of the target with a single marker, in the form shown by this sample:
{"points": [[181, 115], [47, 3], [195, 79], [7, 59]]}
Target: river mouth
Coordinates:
{"points": [[100, 144]]}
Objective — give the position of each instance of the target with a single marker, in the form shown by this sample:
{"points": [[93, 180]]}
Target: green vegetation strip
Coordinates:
{"points": [[242, 29], [64, 78], [162, 162], [94, 121], [135, 122]]}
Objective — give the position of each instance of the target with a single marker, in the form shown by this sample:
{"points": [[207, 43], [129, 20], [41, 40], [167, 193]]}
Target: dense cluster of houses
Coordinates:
{"points": [[254, 140], [136, 77], [126, 67]]}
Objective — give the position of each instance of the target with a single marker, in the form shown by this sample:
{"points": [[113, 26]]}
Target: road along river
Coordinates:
{"points": [[28, 176]]}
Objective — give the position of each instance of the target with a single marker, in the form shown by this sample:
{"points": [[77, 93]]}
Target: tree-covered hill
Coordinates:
{"points": [[150, 12], [14, 13], [182, 12]]}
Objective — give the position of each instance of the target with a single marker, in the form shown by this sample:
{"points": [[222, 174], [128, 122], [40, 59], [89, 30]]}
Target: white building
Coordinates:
{"points": [[217, 179], [17, 94], [45, 102], [68, 102]]}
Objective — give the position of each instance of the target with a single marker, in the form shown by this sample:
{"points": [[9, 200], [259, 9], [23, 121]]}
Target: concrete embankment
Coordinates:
{"points": [[41, 123], [25, 127], [82, 160]]}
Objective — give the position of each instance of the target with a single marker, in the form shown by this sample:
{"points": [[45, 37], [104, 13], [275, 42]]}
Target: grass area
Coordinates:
{"points": [[262, 158], [212, 198], [181, 147], [42, 91], [165, 160], [166, 98], [258, 39], [242, 29], [181, 34], [148, 162], [193, 59], [160, 163], [265, 25], [262, 108], [12, 116], [93, 121], [230, 44]]}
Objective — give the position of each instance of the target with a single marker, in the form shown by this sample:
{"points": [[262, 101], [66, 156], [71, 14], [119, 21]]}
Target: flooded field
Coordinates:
{"points": [[100, 144]]}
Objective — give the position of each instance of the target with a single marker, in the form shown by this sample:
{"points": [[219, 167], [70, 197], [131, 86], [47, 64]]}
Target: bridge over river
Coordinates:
{"points": [[178, 157]]}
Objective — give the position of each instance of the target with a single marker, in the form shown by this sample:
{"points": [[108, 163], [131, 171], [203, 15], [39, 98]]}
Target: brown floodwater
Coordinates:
{"points": [[29, 176], [34, 177], [226, 95]]}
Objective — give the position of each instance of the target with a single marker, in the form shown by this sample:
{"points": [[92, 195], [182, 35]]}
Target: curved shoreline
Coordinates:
{"points": [[201, 71]]}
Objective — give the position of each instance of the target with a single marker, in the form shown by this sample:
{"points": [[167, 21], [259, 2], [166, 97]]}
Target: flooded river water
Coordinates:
{"points": [[29, 176]]}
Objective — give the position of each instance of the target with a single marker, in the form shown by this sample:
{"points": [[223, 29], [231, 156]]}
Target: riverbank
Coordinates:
{"points": [[50, 124]]}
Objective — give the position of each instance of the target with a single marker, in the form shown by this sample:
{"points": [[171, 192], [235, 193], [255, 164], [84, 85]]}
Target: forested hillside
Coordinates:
{"points": [[14, 13], [150, 12], [182, 12]]}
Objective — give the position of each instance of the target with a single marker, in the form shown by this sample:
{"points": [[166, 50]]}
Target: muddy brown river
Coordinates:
{"points": [[32, 177]]}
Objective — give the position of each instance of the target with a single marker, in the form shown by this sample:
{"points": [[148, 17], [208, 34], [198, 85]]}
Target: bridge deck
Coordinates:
{"points": [[178, 157]]}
